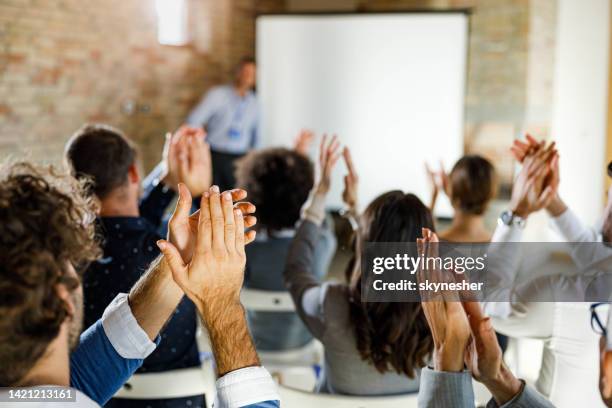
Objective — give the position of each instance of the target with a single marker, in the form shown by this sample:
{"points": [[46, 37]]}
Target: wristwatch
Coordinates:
{"points": [[509, 218]]}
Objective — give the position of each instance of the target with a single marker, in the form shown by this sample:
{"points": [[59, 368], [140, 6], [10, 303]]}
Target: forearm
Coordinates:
{"points": [[231, 341], [556, 206], [504, 387], [154, 298]]}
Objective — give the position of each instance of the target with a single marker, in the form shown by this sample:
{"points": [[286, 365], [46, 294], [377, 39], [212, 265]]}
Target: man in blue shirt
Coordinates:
{"points": [[129, 228], [230, 115], [48, 234]]}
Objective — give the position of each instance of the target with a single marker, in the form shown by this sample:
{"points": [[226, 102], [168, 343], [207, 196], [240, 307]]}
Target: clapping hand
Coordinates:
{"points": [[183, 227], [351, 182], [483, 357], [444, 313], [536, 185], [303, 142], [328, 156]]}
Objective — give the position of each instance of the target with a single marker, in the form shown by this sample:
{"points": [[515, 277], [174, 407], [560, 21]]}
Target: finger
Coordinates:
{"points": [[238, 194], [332, 162], [230, 225], [545, 197], [249, 237], [239, 239], [532, 141], [217, 219], [348, 159], [204, 237], [175, 262], [183, 204], [245, 207], [333, 145], [249, 221], [322, 149]]}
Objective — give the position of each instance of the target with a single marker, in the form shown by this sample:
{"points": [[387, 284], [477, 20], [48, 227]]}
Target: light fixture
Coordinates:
{"points": [[172, 22]]}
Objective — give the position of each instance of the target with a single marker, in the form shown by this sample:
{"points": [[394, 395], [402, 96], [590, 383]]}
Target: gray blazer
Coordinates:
{"points": [[324, 308], [442, 390]]}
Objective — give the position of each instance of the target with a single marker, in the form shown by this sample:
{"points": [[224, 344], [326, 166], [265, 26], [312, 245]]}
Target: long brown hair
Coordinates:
{"points": [[392, 336]]}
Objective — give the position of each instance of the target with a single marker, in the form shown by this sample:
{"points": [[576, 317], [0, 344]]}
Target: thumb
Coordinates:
{"points": [[175, 262]]}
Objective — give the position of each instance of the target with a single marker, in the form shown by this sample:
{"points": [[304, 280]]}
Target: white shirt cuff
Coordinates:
{"points": [[246, 386], [507, 233], [124, 332]]}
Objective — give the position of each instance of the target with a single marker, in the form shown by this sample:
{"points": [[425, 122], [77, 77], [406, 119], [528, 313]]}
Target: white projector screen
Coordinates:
{"points": [[390, 85]]}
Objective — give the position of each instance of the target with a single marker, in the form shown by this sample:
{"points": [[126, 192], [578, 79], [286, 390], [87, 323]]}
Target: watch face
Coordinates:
{"points": [[506, 217]]}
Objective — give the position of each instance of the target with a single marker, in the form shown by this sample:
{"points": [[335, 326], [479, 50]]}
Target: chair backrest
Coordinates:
{"points": [[294, 398], [171, 384], [266, 300]]}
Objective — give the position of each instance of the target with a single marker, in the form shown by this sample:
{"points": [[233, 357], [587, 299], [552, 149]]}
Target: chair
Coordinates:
{"points": [[172, 384], [280, 301], [294, 398], [266, 300]]}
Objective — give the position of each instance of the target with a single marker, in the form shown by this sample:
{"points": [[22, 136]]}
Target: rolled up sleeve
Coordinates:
{"points": [[251, 386], [124, 332]]}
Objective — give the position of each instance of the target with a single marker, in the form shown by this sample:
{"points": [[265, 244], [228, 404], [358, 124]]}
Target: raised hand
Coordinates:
{"points": [[171, 159], [328, 156], [183, 227], [213, 277], [444, 313], [483, 357], [521, 149], [303, 142], [537, 183], [195, 168], [351, 182]]}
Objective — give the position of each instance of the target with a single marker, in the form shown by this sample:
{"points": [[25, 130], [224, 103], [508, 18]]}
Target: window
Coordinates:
{"points": [[172, 22]]}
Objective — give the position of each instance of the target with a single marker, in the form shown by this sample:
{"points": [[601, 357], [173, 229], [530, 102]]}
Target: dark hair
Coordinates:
{"points": [[46, 223], [391, 335], [103, 154], [278, 181], [472, 184]]}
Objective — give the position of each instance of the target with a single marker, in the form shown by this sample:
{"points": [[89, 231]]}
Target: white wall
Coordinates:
{"points": [[580, 102]]}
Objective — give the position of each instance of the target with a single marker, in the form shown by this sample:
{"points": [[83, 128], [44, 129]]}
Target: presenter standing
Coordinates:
{"points": [[230, 115]]}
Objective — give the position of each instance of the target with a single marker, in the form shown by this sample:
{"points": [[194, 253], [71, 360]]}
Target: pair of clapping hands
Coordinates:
{"points": [[463, 336], [187, 160]]}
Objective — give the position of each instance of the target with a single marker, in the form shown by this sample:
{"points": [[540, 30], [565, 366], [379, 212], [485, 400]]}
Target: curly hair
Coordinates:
{"points": [[46, 223], [392, 336], [472, 184], [278, 181]]}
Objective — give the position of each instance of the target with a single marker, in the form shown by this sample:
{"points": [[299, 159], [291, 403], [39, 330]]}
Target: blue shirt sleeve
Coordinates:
{"points": [[96, 369], [264, 404]]}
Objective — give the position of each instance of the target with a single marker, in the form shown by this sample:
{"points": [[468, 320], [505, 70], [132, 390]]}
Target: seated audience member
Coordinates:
{"points": [[470, 186], [279, 181], [464, 338], [48, 236], [370, 348], [107, 159], [563, 325]]}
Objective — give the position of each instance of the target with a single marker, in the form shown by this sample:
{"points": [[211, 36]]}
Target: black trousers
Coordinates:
{"points": [[223, 168]]}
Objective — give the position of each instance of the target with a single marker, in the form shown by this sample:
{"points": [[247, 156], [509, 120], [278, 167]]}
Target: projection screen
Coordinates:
{"points": [[390, 85]]}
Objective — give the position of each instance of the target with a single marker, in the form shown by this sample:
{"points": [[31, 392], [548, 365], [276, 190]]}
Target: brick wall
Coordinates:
{"points": [[66, 62]]}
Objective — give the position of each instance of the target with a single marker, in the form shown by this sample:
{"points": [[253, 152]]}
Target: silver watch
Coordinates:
{"points": [[509, 218]]}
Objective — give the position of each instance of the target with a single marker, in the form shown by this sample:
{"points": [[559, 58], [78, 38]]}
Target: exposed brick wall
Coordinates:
{"points": [[66, 62]]}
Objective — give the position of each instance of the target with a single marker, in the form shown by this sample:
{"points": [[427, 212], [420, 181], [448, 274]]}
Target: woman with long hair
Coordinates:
{"points": [[371, 348]]}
